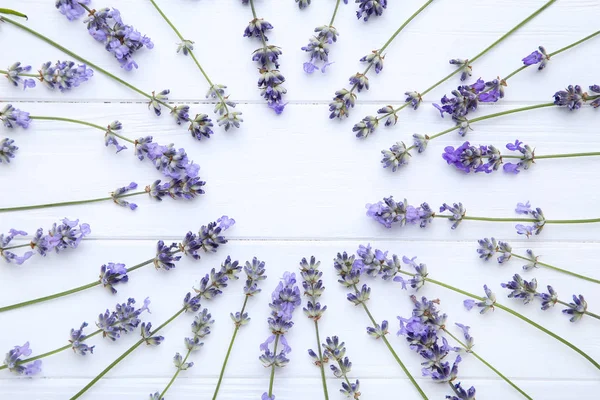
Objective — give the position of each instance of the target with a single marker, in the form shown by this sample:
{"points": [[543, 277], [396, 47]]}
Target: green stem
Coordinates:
{"points": [[272, 379], [77, 121], [477, 356], [175, 375], [321, 367], [67, 292], [574, 44], [335, 10], [568, 155], [514, 313], [20, 74], [391, 349], [83, 60], [548, 221], [122, 356], [450, 75], [66, 203], [15, 247], [591, 314], [564, 271], [235, 332]]}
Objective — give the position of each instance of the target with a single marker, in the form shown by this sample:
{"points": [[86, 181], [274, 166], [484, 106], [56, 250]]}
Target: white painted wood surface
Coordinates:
{"points": [[297, 185]]}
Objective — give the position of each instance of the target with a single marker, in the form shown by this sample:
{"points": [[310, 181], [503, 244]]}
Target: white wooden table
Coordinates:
{"points": [[297, 185]]}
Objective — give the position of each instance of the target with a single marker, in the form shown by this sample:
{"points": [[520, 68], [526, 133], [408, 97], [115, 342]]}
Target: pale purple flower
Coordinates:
{"points": [[548, 299], [11, 116], [577, 308], [119, 193], [469, 158], [7, 150], [537, 57], [365, 127], [76, 339], [64, 75], [573, 97], [147, 335], [368, 8], [257, 28], [71, 9], [521, 289], [388, 212], [112, 274], [464, 67], [487, 304], [15, 364], [397, 156], [537, 215], [462, 394], [458, 211], [14, 75], [343, 101], [595, 89], [124, 319]]}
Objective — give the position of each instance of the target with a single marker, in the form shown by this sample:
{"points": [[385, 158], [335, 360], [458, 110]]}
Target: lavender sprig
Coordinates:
{"points": [[313, 289], [226, 117], [60, 237], [63, 75], [336, 350], [12, 117], [271, 79], [208, 240], [345, 99], [489, 247], [7, 150], [527, 291], [350, 271], [488, 158], [255, 272], [369, 8], [217, 281], [389, 212], [389, 113], [111, 324], [285, 299]]}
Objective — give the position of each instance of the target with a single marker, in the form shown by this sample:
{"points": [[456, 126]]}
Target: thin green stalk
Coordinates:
{"points": [[591, 314], [477, 356], [66, 203], [235, 332], [568, 155], [272, 379], [15, 247], [392, 351], [20, 74], [122, 356], [514, 313], [548, 221], [175, 375], [450, 75], [391, 39], [574, 44], [321, 367], [80, 122], [68, 292], [83, 60], [335, 10], [564, 271]]}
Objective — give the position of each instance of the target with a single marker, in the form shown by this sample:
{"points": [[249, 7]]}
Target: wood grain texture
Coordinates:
{"points": [[297, 185]]}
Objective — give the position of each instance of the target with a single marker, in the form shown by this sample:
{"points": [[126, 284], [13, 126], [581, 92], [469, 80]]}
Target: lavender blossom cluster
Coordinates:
{"points": [[488, 159], [63, 75], [369, 8], [107, 27], [318, 48], [573, 97], [12, 117], [67, 234], [271, 79], [124, 319]]}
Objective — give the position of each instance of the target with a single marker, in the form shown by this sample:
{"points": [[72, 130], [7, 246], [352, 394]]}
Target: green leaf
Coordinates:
{"points": [[12, 12]]}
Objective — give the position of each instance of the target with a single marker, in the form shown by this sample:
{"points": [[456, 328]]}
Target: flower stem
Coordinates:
{"points": [[122, 356], [477, 356], [66, 292], [568, 155], [391, 349], [175, 375], [321, 367], [514, 313], [20, 74], [335, 10], [15, 247], [66, 203], [564, 271], [272, 379], [83, 60], [591, 314], [548, 221], [574, 44], [235, 332], [77, 121], [450, 75]]}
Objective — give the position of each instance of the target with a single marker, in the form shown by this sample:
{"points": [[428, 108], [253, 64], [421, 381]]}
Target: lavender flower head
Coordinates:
{"points": [[596, 90], [572, 97], [318, 49], [489, 247], [64, 75], [7, 150], [148, 335], [11, 116], [72, 9], [210, 286], [537, 57], [368, 8], [77, 338], [397, 156], [521, 289], [538, 223], [119, 194], [208, 239], [334, 349], [469, 158], [389, 212], [464, 67], [14, 75], [112, 274], [486, 304], [255, 272], [313, 287], [15, 364], [124, 319]]}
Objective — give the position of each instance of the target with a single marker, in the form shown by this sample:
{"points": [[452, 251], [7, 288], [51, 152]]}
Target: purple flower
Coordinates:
{"points": [[112, 274], [15, 364], [368, 8], [255, 272], [157, 99], [64, 75], [444, 372], [76, 339], [414, 98], [537, 215], [573, 97], [124, 319], [121, 192], [537, 57], [458, 212], [462, 394], [397, 156], [318, 49], [595, 89], [521, 289], [548, 299], [487, 248], [146, 332], [210, 286], [11, 116], [464, 66], [8, 255], [191, 303], [466, 334], [201, 126], [576, 309], [465, 99], [181, 114], [469, 158], [7, 150], [165, 256], [71, 9], [343, 101], [110, 137], [265, 396], [388, 212], [313, 288], [121, 40], [257, 28], [13, 74], [68, 234], [487, 304]]}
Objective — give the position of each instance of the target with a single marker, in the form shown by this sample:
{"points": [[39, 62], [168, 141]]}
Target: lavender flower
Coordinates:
{"points": [[462, 394], [302, 4], [458, 212], [595, 89], [548, 299], [537, 57], [157, 99], [388, 212], [336, 350], [7, 150], [14, 75], [573, 97], [255, 272], [72, 9], [464, 67], [210, 286], [112, 274], [576, 309], [64, 75], [368, 8], [342, 103], [396, 156], [469, 158], [124, 319], [313, 287], [15, 364], [208, 238], [156, 396], [107, 27], [191, 303], [110, 137], [165, 256], [521, 289], [76, 339], [318, 49], [489, 247], [11, 116], [147, 335], [485, 305], [121, 192], [537, 214], [367, 126]]}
